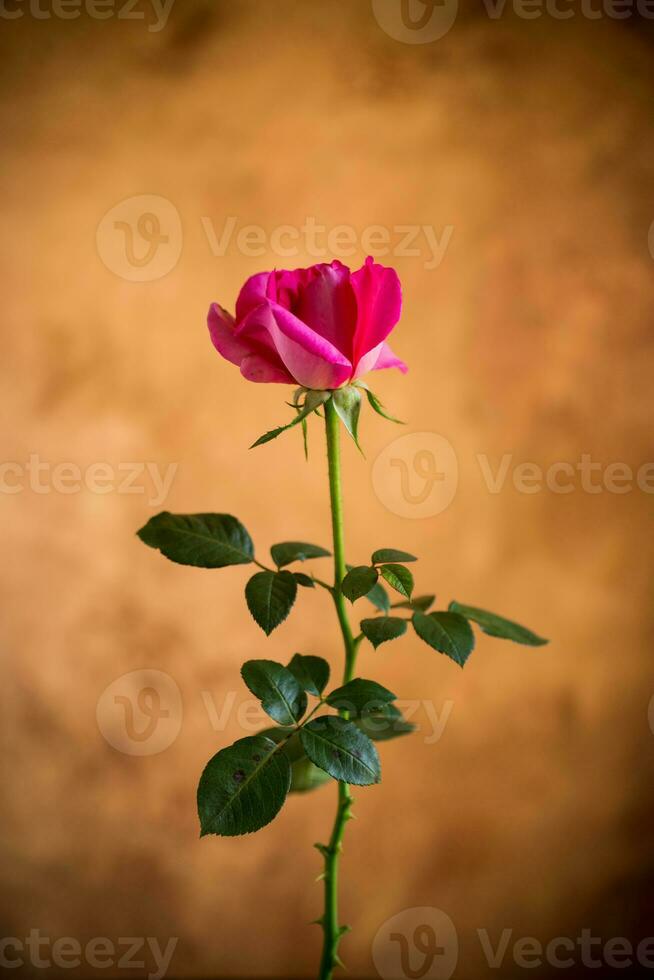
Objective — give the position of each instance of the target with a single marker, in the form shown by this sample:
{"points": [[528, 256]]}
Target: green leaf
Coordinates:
{"points": [[386, 725], [305, 580], [358, 582], [270, 597], [360, 697], [243, 787], [290, 551], [277, 688], [305, 776], [377, 405], [382, 629], [399, 578], [498, 626], [391, 554], [447, 632], [202, 540], [311, 673], [290, 737], [347, 402], [379, 597], [421, 602], [338, 747], [313, 400]]}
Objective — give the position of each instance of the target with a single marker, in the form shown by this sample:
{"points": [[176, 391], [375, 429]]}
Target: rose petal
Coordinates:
{"points": [[377, 359], [252, 294], [328, 305], [379, 302], [312, 360], [254, 367], [221, 329], [256, 363], [285, 285], [387, 359], [253, 330]]}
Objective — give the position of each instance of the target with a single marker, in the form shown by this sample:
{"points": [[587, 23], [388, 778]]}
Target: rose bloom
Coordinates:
{"points": [[321, 327]]}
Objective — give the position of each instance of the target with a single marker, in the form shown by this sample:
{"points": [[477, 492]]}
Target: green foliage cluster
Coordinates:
{"points": [[317, 737]]}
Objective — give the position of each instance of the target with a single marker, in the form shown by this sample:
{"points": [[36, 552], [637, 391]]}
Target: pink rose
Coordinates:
{"points": [[321, 327]]}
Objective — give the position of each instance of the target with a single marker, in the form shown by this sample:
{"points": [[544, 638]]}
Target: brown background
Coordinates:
{"points": [[533, 337]]}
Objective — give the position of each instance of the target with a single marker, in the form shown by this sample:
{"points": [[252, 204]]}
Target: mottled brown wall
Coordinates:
{"points": [[533, 337]]}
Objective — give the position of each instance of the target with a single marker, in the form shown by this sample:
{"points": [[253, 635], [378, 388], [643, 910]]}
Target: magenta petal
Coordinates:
{"points": [[387, 359], [379, 302], [328, 305], [252, 294], [254, 367], [256, 363], [286, 284], [312, 360], [253, 330], [378, 358], [221, 329]]}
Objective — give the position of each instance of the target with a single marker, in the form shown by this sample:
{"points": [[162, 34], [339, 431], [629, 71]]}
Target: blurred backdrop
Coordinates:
{"points": [[154, 156]]}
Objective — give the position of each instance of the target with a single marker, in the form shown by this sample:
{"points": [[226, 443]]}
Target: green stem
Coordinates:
{"points": [[332, 852]]}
